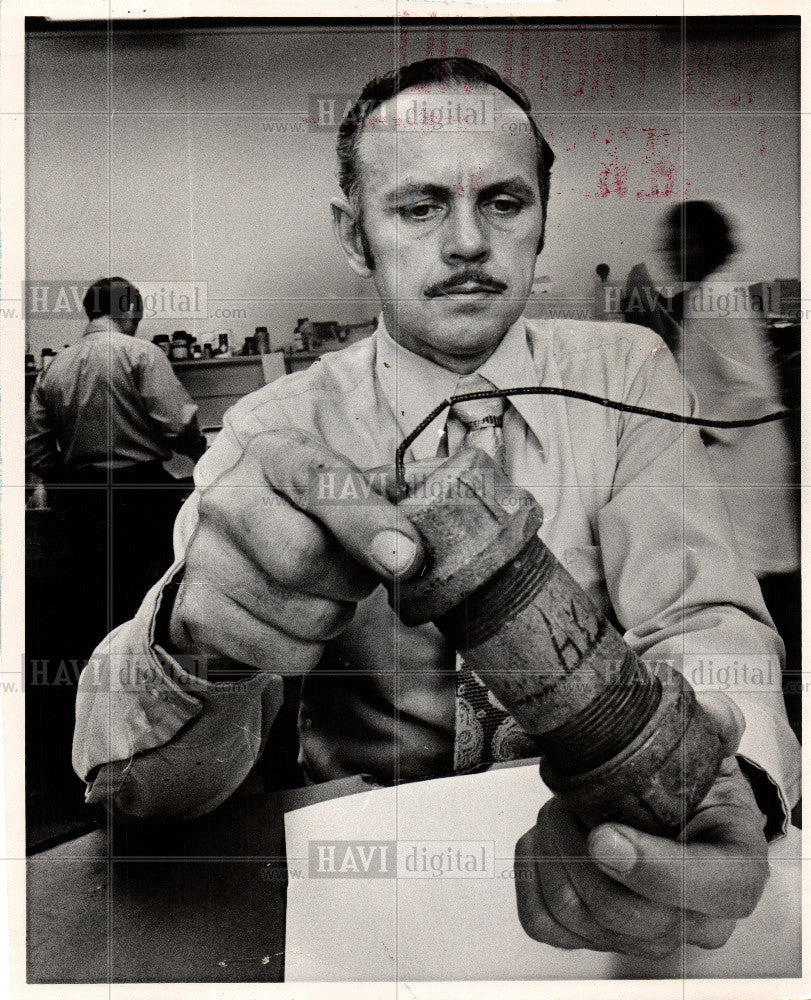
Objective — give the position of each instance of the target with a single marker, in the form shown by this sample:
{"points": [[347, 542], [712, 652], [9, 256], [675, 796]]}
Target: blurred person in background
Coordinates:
{"points": [[723, 353]]}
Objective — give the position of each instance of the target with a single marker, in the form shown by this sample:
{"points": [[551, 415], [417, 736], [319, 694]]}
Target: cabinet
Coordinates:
{"points": [[217, 384]]}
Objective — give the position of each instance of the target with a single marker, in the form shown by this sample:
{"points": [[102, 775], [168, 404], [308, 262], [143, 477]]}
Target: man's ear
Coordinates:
{"points": [[347, 228], [128, 322], [542, 238]]}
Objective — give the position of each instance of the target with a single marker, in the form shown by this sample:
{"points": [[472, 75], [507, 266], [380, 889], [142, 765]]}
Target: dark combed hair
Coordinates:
{"points": [[704, 220], [418, 74], [114, 297]]}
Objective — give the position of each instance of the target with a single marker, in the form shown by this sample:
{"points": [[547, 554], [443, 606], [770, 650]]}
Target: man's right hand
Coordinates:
{"points": [[277, 564]]}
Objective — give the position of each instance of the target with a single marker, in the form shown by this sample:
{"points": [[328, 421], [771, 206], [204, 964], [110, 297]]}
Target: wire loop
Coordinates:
{"points": [[550, 390]]}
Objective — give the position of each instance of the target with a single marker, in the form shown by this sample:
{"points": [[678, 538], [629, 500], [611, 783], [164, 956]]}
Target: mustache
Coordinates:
{"points": [[487, 282]]}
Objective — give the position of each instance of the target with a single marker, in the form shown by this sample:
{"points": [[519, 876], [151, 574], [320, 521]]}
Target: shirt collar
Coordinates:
{"points": [[413, 385], [511, 364], [103, 324]]}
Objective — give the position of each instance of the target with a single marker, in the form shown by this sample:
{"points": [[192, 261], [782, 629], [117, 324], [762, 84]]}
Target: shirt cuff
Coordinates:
{"points": [[769, 799], [196, 672], [769, 756], [133, 695], [140, 710]]}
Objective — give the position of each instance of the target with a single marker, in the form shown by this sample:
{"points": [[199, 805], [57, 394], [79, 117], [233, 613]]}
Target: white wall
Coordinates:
{"points": [[184, 170]]}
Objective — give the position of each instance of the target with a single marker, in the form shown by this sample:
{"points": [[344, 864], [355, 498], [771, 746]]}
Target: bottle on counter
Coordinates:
{"points": [[262, 340], [299, 343], [249, 347], [161, 340], [179, 350], [208, 351], [223, 348]]}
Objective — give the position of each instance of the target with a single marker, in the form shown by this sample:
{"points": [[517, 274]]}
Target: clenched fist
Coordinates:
{"points": [[616, 889], [276, 564]]}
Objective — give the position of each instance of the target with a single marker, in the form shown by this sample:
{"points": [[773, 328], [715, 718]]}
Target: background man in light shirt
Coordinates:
{"points": [[269, 582], [103, 417], [110, 404]]}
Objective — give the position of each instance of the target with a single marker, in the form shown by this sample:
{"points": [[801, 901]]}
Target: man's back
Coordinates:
{"points": [[108, 402]]}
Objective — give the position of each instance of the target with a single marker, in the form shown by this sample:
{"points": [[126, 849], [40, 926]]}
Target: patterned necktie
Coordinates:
{"points": [[485, 732], [481, 419]]}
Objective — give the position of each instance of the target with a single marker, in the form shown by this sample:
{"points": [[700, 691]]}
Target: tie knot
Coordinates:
{"points": [[475, 413]]}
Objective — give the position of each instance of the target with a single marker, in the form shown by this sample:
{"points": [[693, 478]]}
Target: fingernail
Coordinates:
{"points": [[393, 551], [612, 850]]}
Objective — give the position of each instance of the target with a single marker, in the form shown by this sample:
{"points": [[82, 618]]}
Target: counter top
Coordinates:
{"points": [[238, 359], [196, 901], [241, 359]]}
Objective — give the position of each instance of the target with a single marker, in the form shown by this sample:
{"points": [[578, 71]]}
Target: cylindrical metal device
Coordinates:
{"points": [[620, 740]]}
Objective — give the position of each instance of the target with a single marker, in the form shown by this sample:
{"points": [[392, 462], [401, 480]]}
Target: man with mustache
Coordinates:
{"points": [[274, 579]]}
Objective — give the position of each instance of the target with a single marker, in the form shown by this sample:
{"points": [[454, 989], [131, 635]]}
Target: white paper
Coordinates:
{"points": [[388, 928]]}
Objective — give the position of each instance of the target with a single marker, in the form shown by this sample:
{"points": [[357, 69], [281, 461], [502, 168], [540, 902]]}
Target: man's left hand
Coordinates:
{"points": [[616, 889]]}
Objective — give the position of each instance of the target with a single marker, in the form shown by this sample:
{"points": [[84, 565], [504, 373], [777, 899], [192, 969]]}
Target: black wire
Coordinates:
{"points": [[550, 390]]}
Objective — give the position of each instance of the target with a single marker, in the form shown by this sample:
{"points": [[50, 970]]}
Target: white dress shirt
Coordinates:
{"points": [[655, 554]]}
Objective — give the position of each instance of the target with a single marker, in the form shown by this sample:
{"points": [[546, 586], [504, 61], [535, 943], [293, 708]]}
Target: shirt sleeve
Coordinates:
{"points": [[41, 452], [729, 362], [153, 736], [167, 402], [676, 579]]}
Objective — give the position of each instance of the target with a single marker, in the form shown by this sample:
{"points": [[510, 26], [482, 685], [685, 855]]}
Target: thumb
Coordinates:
{"points": [[329, 488], [722, 873], [613, 850]]}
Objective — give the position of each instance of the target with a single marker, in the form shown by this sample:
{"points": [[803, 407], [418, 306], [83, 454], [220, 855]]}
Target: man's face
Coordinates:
{"points": [[453, 219]]}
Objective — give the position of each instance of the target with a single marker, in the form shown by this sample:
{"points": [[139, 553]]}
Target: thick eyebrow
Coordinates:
{"points": [[513, 185], [414, 189]]}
